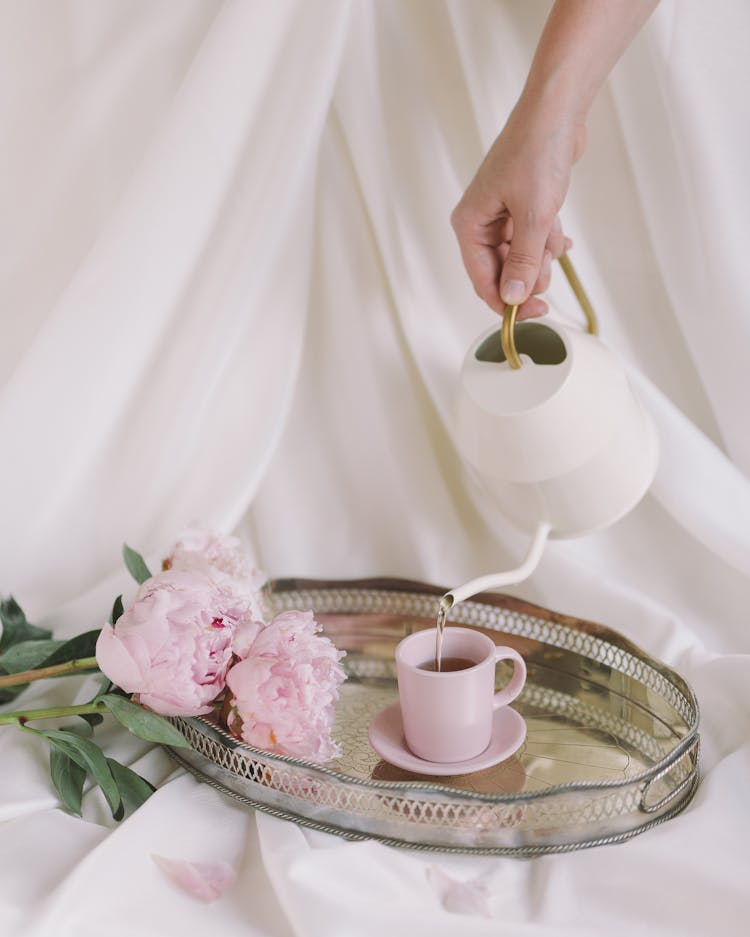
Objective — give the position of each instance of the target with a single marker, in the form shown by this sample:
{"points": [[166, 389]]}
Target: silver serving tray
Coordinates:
{"points": [[611, 748]]}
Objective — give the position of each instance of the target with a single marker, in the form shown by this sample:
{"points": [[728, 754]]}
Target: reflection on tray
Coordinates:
{"points": [[508, 777], [611, 747]]}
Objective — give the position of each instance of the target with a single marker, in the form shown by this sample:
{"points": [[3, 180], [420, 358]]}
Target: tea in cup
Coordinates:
{"points": [[448, 715]]}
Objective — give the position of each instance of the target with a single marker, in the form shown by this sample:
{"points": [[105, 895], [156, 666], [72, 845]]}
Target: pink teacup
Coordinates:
{"points": [[448, 716]]}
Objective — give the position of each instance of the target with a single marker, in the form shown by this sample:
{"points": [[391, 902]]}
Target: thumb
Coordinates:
{"points": [[524, 260]]}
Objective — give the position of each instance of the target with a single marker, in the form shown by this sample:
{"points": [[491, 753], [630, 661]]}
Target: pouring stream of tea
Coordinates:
{"points": [[442, 616], [493, 581]]}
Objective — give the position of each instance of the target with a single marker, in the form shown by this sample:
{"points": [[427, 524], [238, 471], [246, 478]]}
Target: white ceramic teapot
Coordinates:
{"points": [[551, 425]]}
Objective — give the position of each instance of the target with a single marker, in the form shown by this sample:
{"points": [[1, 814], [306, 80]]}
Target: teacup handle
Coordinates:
{"points": [[509, 317], [517, 681]]}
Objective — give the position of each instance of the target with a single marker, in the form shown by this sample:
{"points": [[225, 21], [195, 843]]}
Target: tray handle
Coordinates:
{"points": [[692, 750]]}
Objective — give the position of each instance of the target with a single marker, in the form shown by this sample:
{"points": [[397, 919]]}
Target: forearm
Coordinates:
{"points": [[581, 42], [505, 221]]}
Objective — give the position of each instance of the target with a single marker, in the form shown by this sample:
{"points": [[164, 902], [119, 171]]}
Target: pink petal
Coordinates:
{"points": [[205, 881], [460, 897], [245, 634], [115, 660]]}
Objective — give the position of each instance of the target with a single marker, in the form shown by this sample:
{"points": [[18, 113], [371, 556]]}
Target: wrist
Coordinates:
{"points": [[552, 111], [556, 98]]}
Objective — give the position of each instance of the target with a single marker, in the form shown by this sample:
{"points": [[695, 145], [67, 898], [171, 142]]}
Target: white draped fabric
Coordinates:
{"points": [[230, 294]]}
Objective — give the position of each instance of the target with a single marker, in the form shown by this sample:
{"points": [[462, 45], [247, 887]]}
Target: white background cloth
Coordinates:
{"points": [[230, 294]]}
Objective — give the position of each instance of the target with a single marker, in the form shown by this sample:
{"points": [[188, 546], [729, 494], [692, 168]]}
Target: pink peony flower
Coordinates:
{"points": [[173, 646], [223, 559], [283, 694]]}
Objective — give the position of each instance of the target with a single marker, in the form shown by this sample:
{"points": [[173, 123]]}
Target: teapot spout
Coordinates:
{"points": [[507, 578]]}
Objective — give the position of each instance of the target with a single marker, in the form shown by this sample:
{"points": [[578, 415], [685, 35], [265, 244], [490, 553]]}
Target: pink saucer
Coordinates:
{"points": [[386, 736]]}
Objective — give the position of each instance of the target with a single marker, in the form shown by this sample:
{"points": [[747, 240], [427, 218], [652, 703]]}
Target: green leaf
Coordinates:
{"points": [[89, 757], [134, 789], [117, 610], [9, 693], [93, 719], [26, 655], [11, 613], [68, 778], [31, 655], [82, 645], [135, 564], [15, 626], [104, 688], [143, 723], [85, 729]]}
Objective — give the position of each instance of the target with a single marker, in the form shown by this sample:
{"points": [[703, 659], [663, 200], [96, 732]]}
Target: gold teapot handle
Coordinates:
{"points": [[509, 316]]}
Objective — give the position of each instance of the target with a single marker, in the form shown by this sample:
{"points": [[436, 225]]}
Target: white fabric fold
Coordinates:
{"points": [[144, 416], [229, 293]]}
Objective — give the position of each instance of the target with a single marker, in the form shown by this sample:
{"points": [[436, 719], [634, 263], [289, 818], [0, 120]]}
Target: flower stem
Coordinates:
{"points": [[56, 670], [22, 716]]}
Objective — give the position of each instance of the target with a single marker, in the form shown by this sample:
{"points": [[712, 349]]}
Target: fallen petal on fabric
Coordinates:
{"points": [[206, 881], [459, 897]]}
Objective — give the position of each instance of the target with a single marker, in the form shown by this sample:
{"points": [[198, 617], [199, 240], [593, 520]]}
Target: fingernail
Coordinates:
{"points": [[547, 264], [513, 292]]}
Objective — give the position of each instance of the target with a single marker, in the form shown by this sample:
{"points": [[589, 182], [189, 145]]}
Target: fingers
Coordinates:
{"points": [[522, 267], [545, 274], [483, 266], [556, 239], [532, 309], [478, 240], [497, 252]]}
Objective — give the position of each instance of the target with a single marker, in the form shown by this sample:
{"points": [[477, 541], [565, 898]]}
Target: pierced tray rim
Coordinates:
{"points": [[213, 730], [499, 601], [527, 851]]}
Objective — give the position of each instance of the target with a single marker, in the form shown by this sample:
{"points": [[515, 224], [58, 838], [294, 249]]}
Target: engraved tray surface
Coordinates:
{"points": [[611, 747]]}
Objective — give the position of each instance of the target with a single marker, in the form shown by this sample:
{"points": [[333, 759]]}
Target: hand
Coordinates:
{"points": [[507, 221]]}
